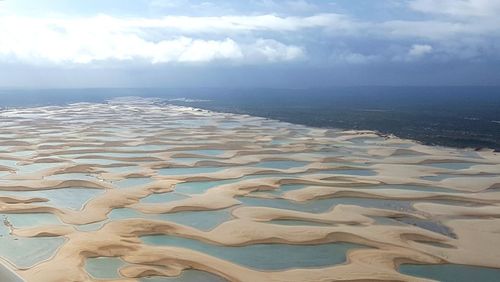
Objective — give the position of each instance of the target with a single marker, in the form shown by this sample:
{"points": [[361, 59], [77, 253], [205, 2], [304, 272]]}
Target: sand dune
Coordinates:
{"points": [[106, 176]]}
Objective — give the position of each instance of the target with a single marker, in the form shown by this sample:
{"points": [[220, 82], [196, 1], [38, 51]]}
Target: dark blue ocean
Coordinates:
{"points": [[449, 116]]}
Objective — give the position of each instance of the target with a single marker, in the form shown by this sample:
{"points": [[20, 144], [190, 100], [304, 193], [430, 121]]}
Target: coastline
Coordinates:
{"points": [[420, 123], [388, 135]]}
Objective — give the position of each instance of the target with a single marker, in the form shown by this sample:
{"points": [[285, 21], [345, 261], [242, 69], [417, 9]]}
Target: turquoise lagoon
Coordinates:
{"points": [[26, 252], [264, 256], [452, 272]]}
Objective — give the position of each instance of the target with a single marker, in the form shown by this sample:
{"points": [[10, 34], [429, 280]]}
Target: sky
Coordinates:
{"points": [[248, 43]]}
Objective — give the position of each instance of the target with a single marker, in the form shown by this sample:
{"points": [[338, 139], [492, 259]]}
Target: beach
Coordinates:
{"points": [[135, 189]]}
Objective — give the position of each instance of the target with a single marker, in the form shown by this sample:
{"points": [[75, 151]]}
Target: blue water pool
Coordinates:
{"points": [[452, 272], [264, 256]]}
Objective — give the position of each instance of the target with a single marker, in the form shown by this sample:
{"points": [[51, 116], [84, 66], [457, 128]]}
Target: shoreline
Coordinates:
{"points": [[194, 105], [374, 131], [458, 143]]}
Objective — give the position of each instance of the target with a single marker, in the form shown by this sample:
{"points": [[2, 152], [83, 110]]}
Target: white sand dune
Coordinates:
{"points": [[164, 170]]}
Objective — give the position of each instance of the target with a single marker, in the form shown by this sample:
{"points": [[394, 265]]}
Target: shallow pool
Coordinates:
{"points": [[280, 164], [104, 267], [69, 198], [264, 256], [186, 276], [452, 272], [26, 252], [323, 205], [202, 220]]}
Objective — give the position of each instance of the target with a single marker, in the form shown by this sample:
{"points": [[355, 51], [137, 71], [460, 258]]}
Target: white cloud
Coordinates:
{"points": [[414, 53], [274, 51], [244, 39], [458, 8], [104, 38], [447, 20], [439, 31], [215, 24], [267, 22], [418, 50], [189, 50]]}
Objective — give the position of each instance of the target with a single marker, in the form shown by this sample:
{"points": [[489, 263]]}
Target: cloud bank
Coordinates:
{"points": [[104, 38], [447, 29]]}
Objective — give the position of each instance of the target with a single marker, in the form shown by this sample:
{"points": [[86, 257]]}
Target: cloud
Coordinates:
{"points": [[274, 51], [212, 24], [418, 50], [189, 50], [84, 41], [456, 29], [458, 8], [450, 32], [438, 31]]}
